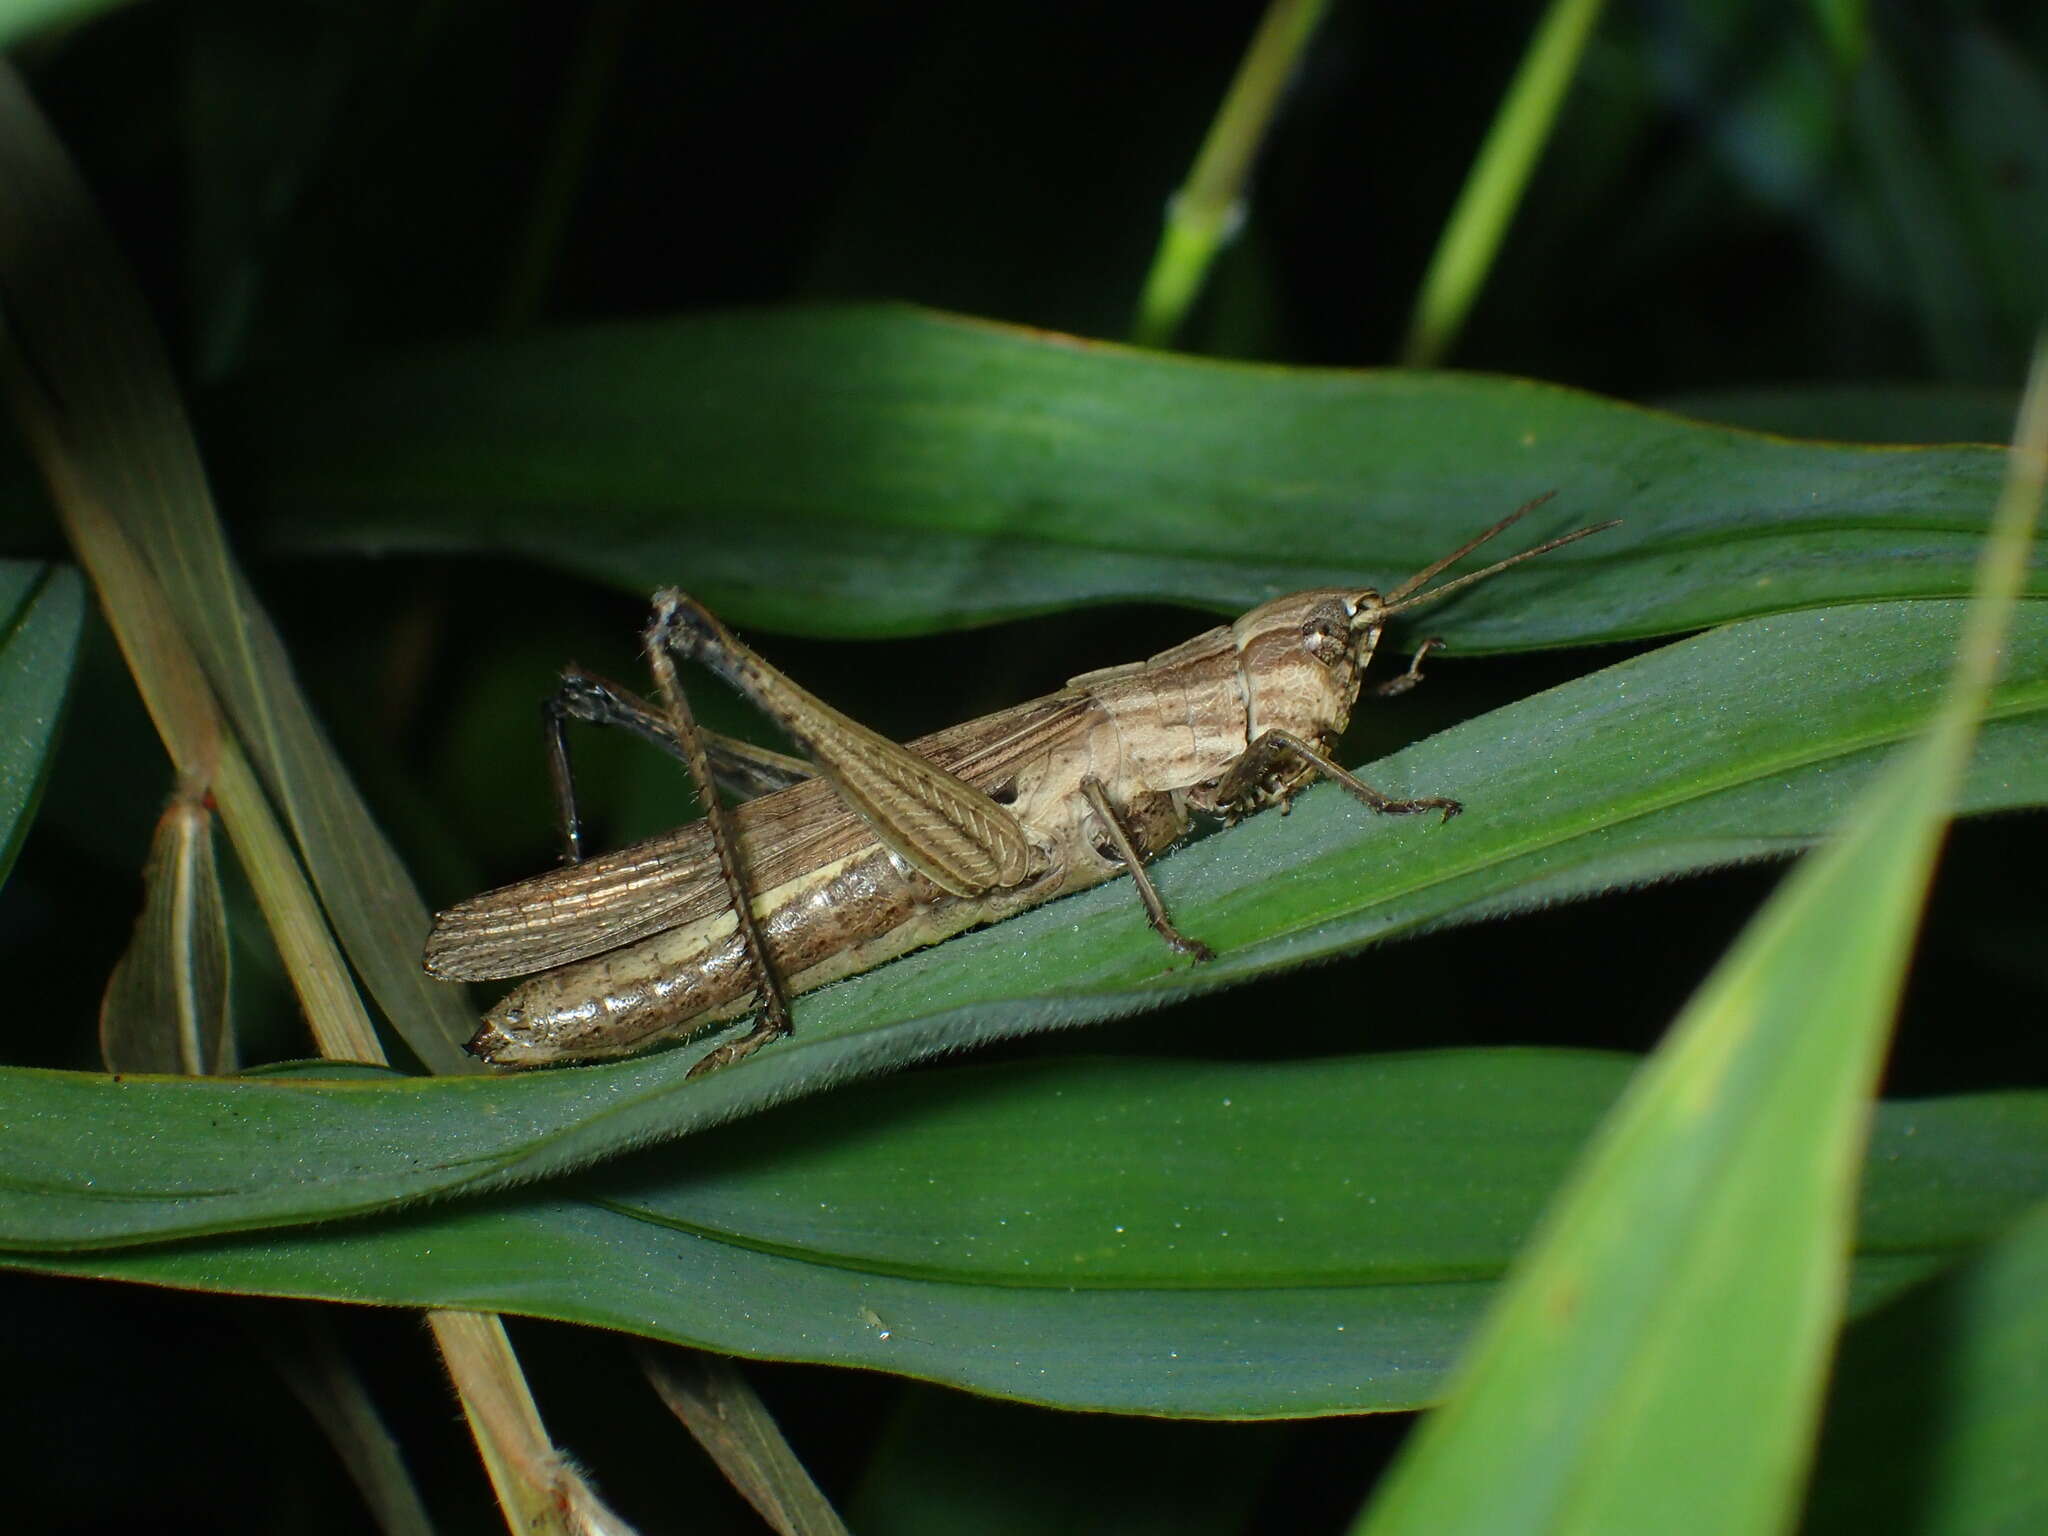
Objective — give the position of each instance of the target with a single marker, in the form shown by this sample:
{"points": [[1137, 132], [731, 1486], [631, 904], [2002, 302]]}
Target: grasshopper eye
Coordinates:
{"points": [[1326, 635]]}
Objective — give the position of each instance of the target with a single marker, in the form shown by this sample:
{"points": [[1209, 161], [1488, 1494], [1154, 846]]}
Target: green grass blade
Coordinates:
{"points": [[1658, 1360], [1936, 1410], [879, 471], [1171, 1221], [93, 346], [1493, 189], [41, 612], [1209, 206], [99, 406], [1739, 744]]}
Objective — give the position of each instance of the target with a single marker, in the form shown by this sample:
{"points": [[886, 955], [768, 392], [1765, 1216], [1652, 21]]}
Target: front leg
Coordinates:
{"points": [[1241, 786], [1396, 686]]}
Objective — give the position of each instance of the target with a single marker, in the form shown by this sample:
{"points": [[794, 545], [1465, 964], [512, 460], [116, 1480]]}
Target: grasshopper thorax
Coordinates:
{"points": [[1301, 658]]}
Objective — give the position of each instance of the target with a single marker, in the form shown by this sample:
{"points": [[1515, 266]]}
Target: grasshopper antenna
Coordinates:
{"points": [[1406, 594]]}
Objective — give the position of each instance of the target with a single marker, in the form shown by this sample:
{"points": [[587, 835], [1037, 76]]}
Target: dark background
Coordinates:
{"points": [[1727, 214]]}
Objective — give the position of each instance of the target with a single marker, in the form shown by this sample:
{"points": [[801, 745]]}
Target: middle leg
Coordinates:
{"points": [[1120, 837]]}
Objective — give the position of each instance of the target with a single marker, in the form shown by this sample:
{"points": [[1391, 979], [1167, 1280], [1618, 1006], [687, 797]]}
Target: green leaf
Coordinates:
{"points": [[884, 471], [41, 611], [124, 464], [1863, 413], [1657, 1359], [1738, 744], [1107, 1234], [1499, 176], [24, 18], [1937, 1412]]}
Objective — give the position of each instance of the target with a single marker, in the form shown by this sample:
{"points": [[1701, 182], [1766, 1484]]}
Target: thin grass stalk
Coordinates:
{"points": [[1209, 207], [120, 468], [1499, 175]]}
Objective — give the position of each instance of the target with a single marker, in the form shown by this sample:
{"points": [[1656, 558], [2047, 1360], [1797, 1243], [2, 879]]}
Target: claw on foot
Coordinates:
{"points": [[733, 1051]]}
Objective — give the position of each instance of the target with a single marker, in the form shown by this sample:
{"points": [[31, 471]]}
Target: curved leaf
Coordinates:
{"points": [[125, 473], [886, 471], [41, 612], [1737, 744], [1658, 1358], [1159, 1236], [1936, 1407]]}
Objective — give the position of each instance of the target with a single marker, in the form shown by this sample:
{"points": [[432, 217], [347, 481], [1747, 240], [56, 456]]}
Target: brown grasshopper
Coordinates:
{"points": [[870, 849]]}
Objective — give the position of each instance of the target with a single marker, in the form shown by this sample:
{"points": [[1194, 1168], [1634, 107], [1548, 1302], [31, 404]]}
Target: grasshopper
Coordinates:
{"points": [[871, 849]]}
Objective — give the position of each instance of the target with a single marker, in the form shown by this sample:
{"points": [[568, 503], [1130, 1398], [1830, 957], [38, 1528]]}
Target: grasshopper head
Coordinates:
{"points": [[1301, 658]]}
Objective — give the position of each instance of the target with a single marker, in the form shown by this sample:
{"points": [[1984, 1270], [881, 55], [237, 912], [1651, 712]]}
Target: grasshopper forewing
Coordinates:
{"points": [[885, 848]]}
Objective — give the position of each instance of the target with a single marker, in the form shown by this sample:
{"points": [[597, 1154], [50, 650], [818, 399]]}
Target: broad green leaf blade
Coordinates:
{"points": [[1242, 1176], [883, 471], [1737, 744], [1653, 1365], [1936, 1415], [41, 611], [1658, 1358], [1106, 1234]]}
